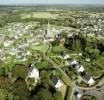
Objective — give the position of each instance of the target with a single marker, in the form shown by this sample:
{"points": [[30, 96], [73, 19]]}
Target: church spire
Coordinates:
{"points": [[48, 28]]}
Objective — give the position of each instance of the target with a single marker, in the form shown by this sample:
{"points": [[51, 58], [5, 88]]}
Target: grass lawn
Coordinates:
{"points": [[94, 68], [69, 91], [41, 48], [43, 64], [58, 49], [59, 60], [4, 93]]}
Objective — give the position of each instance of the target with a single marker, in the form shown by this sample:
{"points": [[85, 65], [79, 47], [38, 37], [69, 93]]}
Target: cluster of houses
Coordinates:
{"points": [[18, 37], [13, 45], [34, 74], [13, 41], [81, 70], [92, 25]]}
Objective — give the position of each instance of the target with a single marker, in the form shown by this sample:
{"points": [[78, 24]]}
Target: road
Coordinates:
{"points": [[60, 70], [88, 90]]}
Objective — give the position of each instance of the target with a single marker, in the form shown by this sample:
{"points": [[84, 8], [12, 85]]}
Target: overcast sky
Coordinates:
{"points": [[51, 1]]}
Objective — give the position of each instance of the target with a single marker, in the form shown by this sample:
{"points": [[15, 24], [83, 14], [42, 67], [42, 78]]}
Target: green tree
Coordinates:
{"points": [[58, 96], [2, 71], [92, 53], [100, 45], [44, 94], [19, 88], [83, 42], [20, 70]]}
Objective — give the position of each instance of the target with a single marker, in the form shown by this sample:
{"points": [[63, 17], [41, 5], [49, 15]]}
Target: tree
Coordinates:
{"points": [[58, 96], [83, 42], [93, 53], [19, 88], [2, 22], [20, 70], [2, 71], [100, 45], [44, 94], [69, 43]]}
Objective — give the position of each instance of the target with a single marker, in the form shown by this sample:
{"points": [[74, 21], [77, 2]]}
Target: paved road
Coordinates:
{"points": [[59, 69], [89, 91]]}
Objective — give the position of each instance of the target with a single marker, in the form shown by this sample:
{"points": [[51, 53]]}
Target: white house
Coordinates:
{"points": [[58, 84], [79, 96], [56, 81], [7, 43], [13, 51], [80, 54], [28, 53], [81, 69], [87, 59], [74, 62], [34, 73], [66, 57], [91, 81]]}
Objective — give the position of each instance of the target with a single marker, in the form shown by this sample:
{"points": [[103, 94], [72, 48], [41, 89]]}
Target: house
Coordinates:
{"points": [[21, 58], [66, 57], [56, 81], [7, 43], [88, 79], [78, 95], [33, 73], [28, 53], [48, 40], [81, 69], [74, 63], [13, 51], [87, 60], [16, 36], [80, 54], [58, 35], [91, 81]]}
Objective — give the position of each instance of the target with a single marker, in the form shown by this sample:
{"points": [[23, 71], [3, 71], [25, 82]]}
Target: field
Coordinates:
{"points": [[41, 47], [39, 15]]}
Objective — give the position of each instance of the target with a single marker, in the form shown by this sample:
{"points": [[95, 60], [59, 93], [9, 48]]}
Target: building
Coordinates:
{"points": [[87, 60], [33, 73], [78, 95], [66, 57], [91, 81], [56, 81], [7, 43], [74, 63], [88, 79], [80, 69]]}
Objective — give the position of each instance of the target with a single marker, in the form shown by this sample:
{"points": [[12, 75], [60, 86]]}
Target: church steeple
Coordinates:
{"points": [[48, 28]]}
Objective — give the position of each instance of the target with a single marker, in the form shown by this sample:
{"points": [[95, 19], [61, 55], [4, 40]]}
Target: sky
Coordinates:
{"points": [[51, 2]]}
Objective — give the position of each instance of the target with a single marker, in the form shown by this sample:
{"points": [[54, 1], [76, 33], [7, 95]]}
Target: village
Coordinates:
{"points": [[50, 61]]}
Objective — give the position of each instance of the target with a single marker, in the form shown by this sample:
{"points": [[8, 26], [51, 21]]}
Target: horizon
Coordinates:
{"points": [[58, 4], [53, 2]]}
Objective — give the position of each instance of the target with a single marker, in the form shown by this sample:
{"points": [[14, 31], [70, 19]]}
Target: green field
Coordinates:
{"points": [[38, 15], [42, 48]]}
